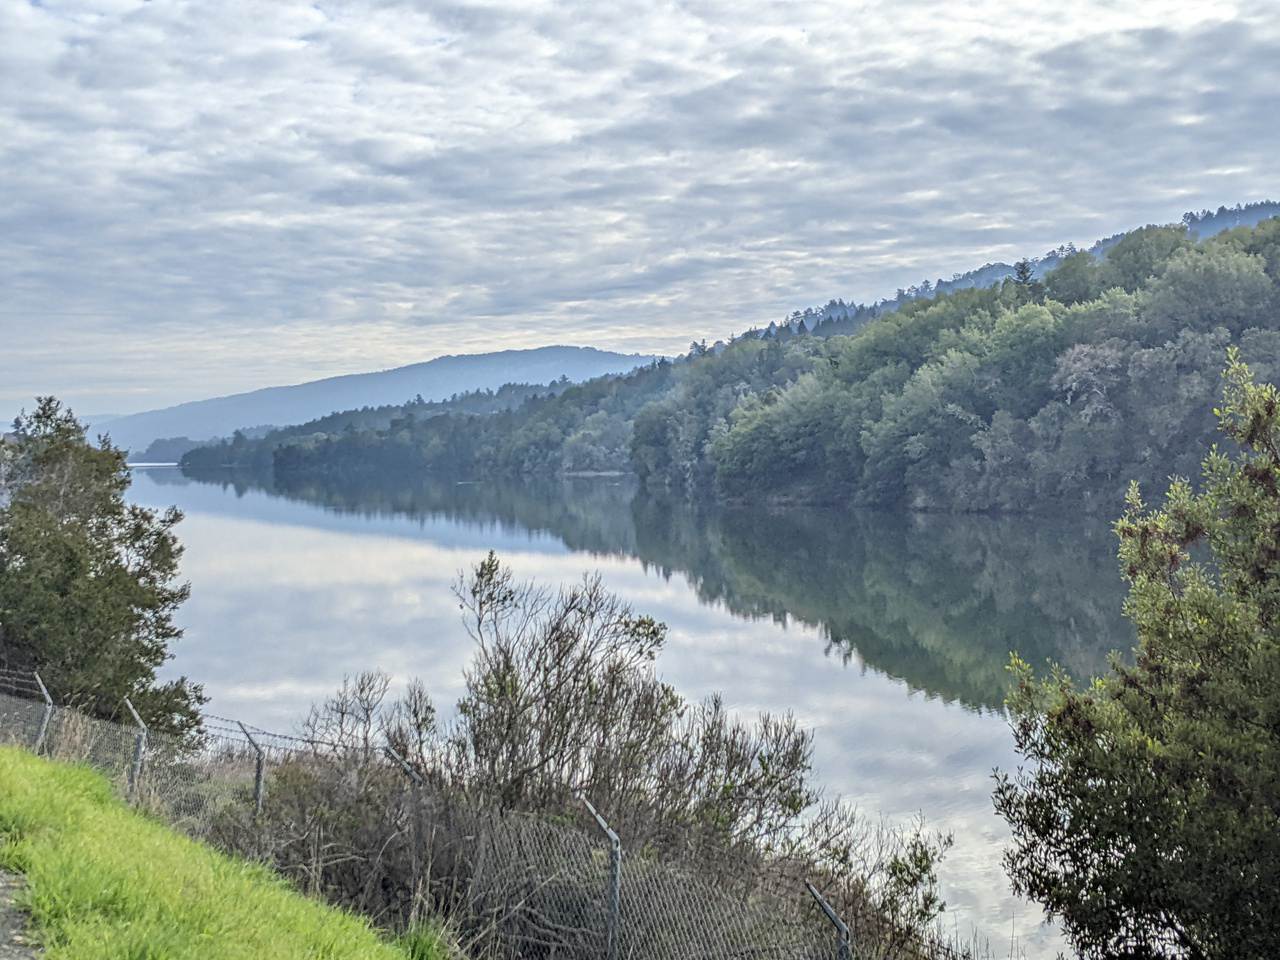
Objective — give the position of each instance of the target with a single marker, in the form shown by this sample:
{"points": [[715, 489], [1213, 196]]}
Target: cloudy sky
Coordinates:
{"points": [[197, 198]]}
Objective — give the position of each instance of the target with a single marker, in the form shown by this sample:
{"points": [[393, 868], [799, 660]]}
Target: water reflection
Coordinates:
{"points": [[937, 601], [777, 610]]}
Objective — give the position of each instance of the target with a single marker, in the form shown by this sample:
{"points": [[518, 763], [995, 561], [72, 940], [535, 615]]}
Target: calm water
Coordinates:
{"points": [[887, 635]]}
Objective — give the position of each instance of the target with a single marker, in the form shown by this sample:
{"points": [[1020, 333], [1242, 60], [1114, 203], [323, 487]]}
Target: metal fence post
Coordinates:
{"points": [[405, 765], [48, 715], [139, 750], [842, 930], [615, 882], [259, 771], [417, 835]]}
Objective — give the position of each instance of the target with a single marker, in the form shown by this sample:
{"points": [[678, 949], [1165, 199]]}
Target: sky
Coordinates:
{"points": [[201, 198]]}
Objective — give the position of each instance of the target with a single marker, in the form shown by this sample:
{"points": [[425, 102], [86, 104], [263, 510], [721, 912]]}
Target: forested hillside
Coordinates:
{"points": [[1013, 397], [1024, 394], [255, 450]]}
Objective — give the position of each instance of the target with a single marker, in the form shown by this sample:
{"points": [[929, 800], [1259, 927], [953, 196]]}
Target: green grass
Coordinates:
{"points": [[104, 883]]}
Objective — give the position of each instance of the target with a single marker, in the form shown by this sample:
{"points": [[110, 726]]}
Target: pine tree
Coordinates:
{"points": [[1148, 817]]}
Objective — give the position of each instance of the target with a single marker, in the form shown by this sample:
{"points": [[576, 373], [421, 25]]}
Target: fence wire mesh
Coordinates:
{"points": [[513, 885]]}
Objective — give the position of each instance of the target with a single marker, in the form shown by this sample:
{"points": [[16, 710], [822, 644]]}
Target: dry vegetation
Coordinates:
{"points": [[482, 825]]}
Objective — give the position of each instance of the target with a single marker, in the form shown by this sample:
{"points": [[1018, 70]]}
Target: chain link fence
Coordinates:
{"points": [[390, 842]]}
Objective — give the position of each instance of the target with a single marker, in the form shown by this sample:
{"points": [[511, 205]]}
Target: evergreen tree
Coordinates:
{"points": [[88, 582], [1026, 288], [1148, 819]]}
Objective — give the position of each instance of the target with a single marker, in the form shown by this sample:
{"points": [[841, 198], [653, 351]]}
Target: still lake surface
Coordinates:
{"points": [[887, 635]]}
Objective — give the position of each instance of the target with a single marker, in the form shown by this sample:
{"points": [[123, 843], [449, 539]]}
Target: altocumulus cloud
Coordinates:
{"points": [[202, 197]]}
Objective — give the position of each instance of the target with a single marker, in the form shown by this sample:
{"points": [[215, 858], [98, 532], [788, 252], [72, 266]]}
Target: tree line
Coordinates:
{"points": [[1036, 391], [254, 449]]}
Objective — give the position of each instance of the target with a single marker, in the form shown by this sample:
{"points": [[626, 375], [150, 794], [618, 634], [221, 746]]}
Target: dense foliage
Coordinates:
{"points": [[1148, 819], [88, 582], [1015, 396], [1051, 385]]}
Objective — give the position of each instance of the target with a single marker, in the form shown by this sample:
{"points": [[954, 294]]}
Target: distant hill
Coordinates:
{"points": [[435, 379]]}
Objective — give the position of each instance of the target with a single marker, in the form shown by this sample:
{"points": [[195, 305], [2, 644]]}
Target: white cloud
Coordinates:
{"points": [[197, 199]]}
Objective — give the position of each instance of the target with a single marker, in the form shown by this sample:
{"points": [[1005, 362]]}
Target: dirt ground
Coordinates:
{"points": [[13, 942]]}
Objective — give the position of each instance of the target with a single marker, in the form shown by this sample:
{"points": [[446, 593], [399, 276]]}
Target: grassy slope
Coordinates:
{"points": [[107, 884]]}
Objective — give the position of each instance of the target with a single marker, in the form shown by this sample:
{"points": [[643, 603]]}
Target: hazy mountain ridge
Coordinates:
{"points": [[436, 379]]}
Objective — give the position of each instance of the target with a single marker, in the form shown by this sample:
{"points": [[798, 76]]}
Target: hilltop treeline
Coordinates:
{"points": [[1036, 390], [840, 318]]}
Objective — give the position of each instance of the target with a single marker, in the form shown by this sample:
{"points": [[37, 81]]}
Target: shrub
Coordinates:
{"points": [[718, 816]]}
